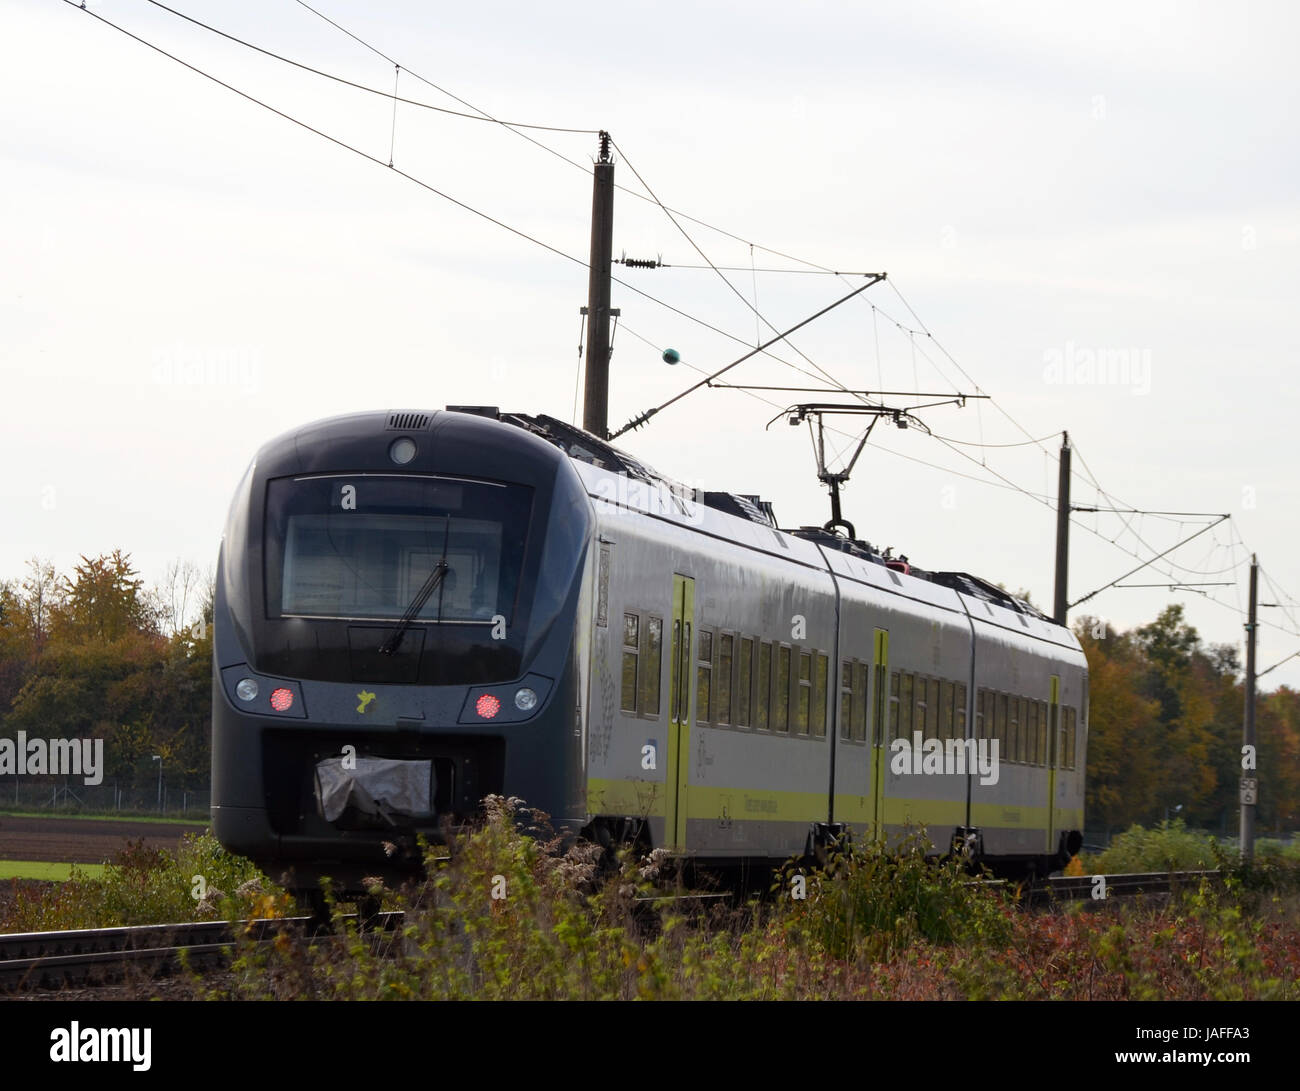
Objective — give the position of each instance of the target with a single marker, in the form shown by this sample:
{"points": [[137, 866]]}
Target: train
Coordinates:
{"points": [[417, 609]]}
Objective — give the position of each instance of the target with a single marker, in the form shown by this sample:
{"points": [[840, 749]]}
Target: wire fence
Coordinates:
{"points": [[69, 795]]}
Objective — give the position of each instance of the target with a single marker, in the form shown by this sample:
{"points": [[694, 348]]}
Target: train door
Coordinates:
{"points": [[1053, 750], [679, 710], [879, 733]]}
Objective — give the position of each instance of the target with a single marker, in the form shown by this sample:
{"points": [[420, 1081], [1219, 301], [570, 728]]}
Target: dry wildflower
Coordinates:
{"points": [[579, 867], [652, 866], [249, 889], [210, 902]]}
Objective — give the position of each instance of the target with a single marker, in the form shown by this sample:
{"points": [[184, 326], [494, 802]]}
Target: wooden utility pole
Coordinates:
{"points": [[1249, 780], [1061, 606], [595, 404]]}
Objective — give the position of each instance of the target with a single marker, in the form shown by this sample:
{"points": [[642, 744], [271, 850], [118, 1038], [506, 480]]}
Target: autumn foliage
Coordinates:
{"points": [[95, 654], [1164, 731]]}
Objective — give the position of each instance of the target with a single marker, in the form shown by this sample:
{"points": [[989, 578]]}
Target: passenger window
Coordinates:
{"points": [[704, 677], [895, 703], [933, 717], [945, 704], [803, 697], [631, 637], [960, 702], [1030, 737], [781, 698], [1005, 739], [764, 682], [846, 699], [1031, 719], [906, 707], [860, 699], [981, 729], [1043, 732], [821, 678], [652, 660], [744, 679], [725, 656]]}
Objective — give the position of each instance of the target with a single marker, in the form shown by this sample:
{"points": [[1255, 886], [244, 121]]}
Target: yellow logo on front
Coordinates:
{"points": [[365, 697]]}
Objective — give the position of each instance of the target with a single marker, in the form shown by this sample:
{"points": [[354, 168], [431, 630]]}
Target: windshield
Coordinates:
{"points": [[363, 546]]}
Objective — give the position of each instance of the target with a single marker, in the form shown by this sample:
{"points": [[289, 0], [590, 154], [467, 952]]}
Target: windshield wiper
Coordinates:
{"points": [[389, 646]]}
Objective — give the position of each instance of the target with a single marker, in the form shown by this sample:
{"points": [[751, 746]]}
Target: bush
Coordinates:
{"points": [[874, 900], [512, 916], [1168, 847], [140, 885]]}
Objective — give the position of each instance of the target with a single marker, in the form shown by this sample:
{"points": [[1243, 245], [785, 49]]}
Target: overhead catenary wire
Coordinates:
{"points": [[559, 155], [644, 417], [326, 136], [735, 291], [827, 375], [750, 392], [361, 86], [419, 181], [480, 115], [432, 189], [811, 266]]}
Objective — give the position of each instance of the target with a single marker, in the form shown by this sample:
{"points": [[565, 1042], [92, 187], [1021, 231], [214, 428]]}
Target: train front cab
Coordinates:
{"points": [[394, 640]]}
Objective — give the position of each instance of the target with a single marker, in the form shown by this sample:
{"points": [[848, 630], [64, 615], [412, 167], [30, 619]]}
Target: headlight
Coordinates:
{"points": [[402, 450], [247, 689], [525, 699]]}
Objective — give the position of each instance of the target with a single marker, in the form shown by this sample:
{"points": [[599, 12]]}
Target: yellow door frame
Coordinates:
{"points": [[1053, 740], [680, 698], [879, 723]]}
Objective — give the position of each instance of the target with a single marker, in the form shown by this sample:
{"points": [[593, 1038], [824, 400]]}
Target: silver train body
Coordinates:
{"points": [[708, 683]]}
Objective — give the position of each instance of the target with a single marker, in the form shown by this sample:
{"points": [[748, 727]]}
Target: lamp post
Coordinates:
{"points": [[158, 759]]}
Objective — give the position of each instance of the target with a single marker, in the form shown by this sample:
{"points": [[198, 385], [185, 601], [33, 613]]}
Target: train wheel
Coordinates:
{"points": [[318, 910], [368, 908]]}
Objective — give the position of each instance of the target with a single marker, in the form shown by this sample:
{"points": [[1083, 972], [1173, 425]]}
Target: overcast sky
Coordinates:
{"points": [[1093, 210]]}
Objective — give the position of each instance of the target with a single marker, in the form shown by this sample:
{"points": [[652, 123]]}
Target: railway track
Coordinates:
{"points": [[1100, 888], [42, 961], [36, 961], [46, 961]]}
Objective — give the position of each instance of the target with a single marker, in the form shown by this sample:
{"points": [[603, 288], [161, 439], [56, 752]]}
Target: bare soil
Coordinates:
{"points": [[83, 840]]}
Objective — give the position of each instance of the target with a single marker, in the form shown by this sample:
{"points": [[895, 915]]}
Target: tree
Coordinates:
{"points": [[179, 595], [42, 596], [105, 601], [1122, 728]]}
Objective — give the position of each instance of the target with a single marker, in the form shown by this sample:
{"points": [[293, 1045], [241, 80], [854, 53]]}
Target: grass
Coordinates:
{"points": [[44, 869], [517, 913], [199, 880], [106, 816]]}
